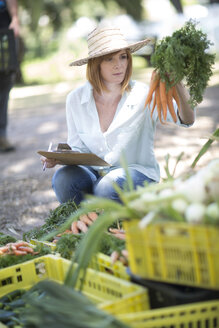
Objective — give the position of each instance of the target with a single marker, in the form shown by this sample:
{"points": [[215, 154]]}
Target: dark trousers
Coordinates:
{"points": [[6, 83]]}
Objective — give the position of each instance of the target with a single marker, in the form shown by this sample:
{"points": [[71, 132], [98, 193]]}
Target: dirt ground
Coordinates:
{"points": [[37, 116]]}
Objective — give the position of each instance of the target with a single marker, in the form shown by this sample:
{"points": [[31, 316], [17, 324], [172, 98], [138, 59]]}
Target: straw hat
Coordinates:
{"points": [[105, 40]]}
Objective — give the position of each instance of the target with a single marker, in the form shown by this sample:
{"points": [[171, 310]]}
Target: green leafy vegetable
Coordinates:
{"points": [[69, 243], [56, 218], [185, 55], [51, 304], [204, 149], [110, 244], [62, 306], [5, 239], [12, 306]]}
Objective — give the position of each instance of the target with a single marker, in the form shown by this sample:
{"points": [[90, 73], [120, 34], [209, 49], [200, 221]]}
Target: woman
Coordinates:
{"points": [[106, 116]]}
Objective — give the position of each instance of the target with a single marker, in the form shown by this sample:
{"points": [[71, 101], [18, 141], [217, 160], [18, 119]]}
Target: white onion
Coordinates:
{"points": [[195, 213]]}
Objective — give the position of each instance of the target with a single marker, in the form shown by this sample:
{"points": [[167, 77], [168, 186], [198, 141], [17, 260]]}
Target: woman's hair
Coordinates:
{"points": [[94, 76]]}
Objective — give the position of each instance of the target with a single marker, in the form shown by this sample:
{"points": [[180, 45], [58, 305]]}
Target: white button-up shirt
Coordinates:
{"points": [[131, 131]]}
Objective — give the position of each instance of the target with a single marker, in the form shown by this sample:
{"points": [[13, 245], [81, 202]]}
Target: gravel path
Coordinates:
{"points": [[37, 116]]}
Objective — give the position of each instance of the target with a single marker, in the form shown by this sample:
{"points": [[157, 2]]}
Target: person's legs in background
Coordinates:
{"points": [[72, 182], [6, 83], [104, 186]]}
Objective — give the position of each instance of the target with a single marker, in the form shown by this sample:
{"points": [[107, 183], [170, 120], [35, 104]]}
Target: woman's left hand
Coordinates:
{"points": [[186, 112]]}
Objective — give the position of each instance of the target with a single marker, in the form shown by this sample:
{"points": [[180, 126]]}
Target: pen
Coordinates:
{"points": [[49, 149]]}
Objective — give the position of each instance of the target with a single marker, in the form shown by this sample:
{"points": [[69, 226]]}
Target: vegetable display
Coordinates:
{"points": [[14, 254], [18, 248], [190, 199], [183, 56]]}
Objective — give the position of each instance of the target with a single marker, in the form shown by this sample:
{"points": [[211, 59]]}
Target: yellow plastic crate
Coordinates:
{"points": [[99, 262], [49, 244], [102, 263], [103, 289], [196, 315], [175, 253]]}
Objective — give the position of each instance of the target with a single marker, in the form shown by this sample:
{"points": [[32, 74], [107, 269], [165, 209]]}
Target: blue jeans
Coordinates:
{"points": [[73, 182]]}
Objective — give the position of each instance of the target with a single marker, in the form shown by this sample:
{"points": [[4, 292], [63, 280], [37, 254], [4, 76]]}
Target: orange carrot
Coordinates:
{"points": [[176, 97], [114, 257], [153, 106], [74, 227], [120, 236], [26, 249], [66, 232], [113, 230], [4, 249], [153, 85], [85, 218], [170, 104], [11, 247], [125, 253], [93, 216], [163, 98], [158, 102], [82, 226], [20, 243], [18, 252]]}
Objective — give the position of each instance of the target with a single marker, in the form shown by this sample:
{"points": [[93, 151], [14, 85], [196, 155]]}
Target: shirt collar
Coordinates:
{"points": [[87, 93], [133, 98]]}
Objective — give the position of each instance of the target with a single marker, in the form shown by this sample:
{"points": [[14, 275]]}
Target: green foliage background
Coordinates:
{"points": [[47, 47], [44, 45]]}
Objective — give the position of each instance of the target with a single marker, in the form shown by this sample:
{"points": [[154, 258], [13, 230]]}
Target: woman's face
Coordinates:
{"points": [[113, 68]]}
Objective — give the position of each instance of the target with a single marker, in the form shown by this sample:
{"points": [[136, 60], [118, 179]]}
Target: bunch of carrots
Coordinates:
{"points": [[184, 55], [163, 98], [18, 248], [79, 226], [82, 225]]}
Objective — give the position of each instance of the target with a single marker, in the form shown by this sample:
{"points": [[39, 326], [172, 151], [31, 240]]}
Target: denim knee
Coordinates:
{"points": [[72, 182], [104, 187]]}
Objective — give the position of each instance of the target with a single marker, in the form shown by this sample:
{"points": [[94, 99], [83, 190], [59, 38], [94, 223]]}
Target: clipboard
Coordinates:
{"points": [[66, 156]]}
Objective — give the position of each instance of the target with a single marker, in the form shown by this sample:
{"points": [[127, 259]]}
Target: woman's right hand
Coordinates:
{"points": [[49, 162]]}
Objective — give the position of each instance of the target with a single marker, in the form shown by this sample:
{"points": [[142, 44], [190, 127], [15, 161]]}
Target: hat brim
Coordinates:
{"points": [[132, 47]]}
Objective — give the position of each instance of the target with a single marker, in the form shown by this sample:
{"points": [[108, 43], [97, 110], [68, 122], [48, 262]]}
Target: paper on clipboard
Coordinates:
{"points": [[69, 157]]}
